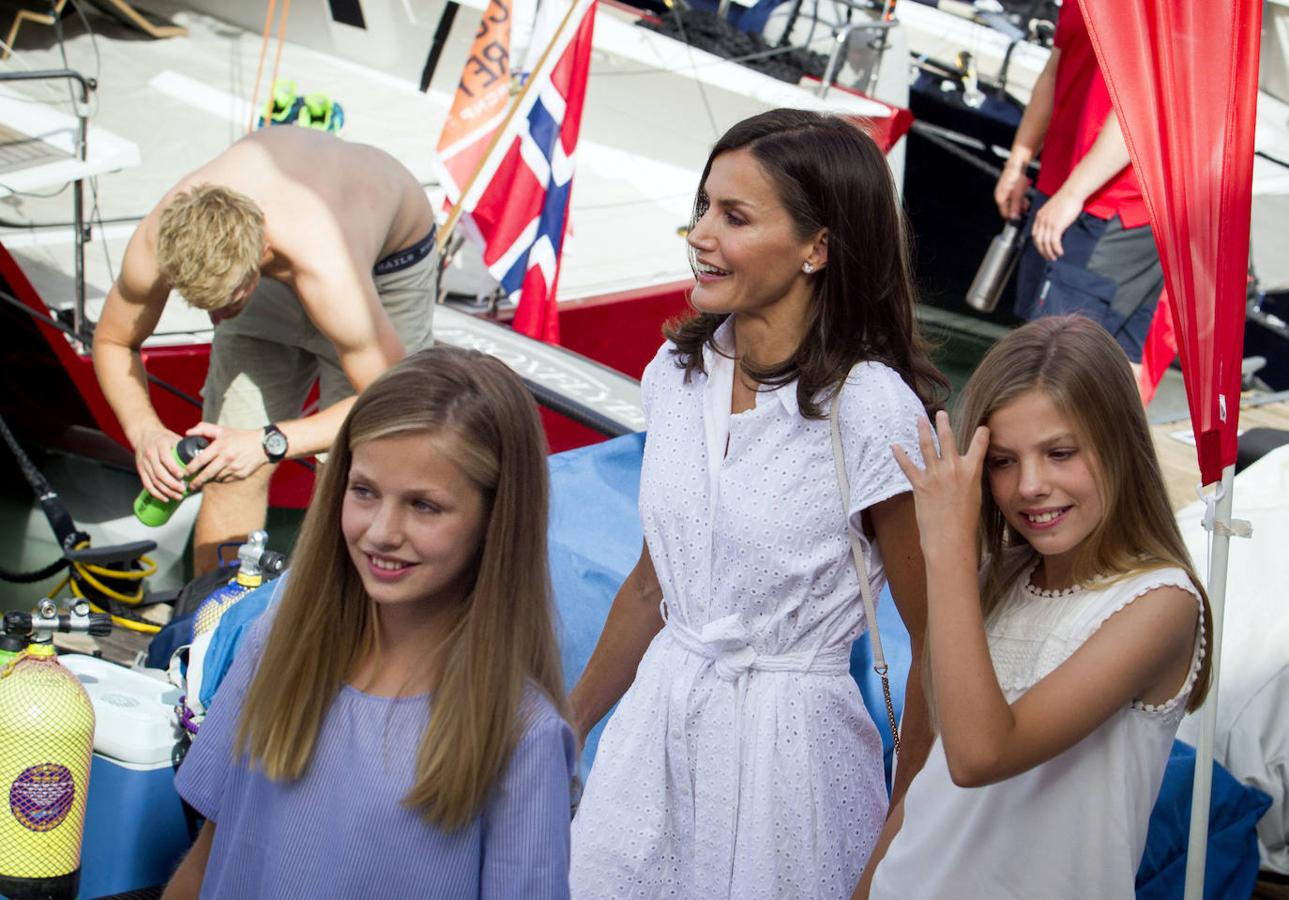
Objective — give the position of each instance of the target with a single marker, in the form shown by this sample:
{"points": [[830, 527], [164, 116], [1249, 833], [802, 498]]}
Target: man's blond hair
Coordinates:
{"points": [[210, 243]]}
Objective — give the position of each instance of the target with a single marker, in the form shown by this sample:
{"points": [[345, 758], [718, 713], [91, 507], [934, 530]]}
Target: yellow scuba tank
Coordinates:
{"points": [[46, 747]]}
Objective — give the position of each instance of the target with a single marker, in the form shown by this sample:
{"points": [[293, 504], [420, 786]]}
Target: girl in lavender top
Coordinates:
{"points": [[395, 727]]}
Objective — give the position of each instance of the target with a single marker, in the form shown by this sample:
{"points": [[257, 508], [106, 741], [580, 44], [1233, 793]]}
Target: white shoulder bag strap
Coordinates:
{"points": [[857, 554]]}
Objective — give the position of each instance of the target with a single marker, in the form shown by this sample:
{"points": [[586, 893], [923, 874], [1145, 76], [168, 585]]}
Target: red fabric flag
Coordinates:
{"points": [[1183, 76]]}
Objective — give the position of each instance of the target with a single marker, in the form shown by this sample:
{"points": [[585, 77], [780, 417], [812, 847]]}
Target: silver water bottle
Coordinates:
{"points": [[995, 268]]}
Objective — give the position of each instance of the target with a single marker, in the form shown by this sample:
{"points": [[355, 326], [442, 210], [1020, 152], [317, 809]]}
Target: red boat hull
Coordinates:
{"points": [[55, 395]]}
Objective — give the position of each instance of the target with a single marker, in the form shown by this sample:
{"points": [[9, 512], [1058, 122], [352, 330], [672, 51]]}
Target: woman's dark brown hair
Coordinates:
{"points": [[830, 175]]}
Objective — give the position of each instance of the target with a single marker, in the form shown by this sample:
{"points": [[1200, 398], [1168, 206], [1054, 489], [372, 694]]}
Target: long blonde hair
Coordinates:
{"points": [[1081, 369], [504, 633]]}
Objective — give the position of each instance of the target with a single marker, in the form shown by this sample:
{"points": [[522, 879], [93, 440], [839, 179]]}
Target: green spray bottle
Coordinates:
{"points": [[155, 512]]}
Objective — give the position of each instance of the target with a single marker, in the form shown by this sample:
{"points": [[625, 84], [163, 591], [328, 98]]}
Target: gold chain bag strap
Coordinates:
{"points": [[857, 554]]}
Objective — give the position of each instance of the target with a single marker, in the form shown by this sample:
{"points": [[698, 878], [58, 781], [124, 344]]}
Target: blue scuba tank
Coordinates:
{"points": [[248, 577], [255, 565]]}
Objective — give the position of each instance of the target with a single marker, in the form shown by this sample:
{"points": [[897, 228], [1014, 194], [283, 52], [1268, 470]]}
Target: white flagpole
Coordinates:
{"points": [[1197, 851]]}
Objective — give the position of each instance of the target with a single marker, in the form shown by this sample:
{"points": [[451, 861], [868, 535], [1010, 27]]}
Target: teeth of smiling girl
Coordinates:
{"points": [[386, 563], [1044, 517], [711, 270]]}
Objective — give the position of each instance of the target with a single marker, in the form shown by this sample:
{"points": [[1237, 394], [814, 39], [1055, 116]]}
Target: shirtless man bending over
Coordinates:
{"points": [[314, 259]]}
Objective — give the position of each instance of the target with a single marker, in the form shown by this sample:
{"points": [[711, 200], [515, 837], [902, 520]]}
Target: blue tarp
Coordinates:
{"points": [[595, 540], [1232, 860]]}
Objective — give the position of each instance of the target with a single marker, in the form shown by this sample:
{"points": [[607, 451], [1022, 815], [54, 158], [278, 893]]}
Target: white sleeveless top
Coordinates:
{"points": [[1074, 826]]}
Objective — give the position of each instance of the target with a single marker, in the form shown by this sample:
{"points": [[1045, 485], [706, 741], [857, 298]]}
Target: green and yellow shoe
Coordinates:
{"points": [[321, 112], [286, 105]]}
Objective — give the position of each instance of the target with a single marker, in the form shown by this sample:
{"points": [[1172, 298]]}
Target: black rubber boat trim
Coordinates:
{"points": [[571, 409]]}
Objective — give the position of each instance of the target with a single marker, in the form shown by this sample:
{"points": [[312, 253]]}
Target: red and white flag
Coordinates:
{"points": [[518, 204]]}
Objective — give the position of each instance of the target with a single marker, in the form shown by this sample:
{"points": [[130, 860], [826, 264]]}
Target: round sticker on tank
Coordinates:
{"points": [[41, 796]]}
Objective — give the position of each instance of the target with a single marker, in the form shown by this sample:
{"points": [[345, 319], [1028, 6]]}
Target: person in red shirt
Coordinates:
{"points": [[1090, 247]]}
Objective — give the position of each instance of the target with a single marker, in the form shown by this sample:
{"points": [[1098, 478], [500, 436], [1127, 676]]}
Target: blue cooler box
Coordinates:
{"points": [[135, 827]]}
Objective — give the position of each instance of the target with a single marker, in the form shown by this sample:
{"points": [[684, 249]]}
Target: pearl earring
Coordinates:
{"points": [[808, 267]]}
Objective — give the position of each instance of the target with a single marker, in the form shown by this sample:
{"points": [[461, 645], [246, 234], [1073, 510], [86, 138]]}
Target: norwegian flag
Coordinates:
{"points": [[519, 205]]}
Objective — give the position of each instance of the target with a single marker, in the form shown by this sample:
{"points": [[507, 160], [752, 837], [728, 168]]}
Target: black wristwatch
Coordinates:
{"points": [[274, 443]]}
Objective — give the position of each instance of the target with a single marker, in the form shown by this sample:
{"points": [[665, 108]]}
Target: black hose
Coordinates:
{"points": [[60, 520], [32, 577], [56, 512], [34, 477]]}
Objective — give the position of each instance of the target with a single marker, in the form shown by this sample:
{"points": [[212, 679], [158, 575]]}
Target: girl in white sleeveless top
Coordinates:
{"points": [[1059, 675]]}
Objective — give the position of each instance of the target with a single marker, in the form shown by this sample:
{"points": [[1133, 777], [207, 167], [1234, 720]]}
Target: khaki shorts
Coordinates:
{"points": [[263, 361]]}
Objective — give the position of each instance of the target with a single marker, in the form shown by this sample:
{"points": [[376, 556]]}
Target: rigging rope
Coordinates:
{"points": [[259, 69], [277, 57], [277, 60]]}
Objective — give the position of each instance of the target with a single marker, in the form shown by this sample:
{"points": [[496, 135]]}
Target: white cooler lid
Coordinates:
{"points": [[135, 714]]}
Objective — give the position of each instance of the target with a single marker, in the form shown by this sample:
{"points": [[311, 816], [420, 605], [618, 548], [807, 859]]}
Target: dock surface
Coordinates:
{"points": [[1175, 443]]}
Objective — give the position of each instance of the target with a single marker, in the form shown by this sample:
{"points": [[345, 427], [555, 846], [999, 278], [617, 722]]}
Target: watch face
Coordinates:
{"points": [[275, 443]]}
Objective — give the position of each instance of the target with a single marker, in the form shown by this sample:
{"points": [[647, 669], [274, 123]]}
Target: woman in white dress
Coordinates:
{"points": [[742, 762]]}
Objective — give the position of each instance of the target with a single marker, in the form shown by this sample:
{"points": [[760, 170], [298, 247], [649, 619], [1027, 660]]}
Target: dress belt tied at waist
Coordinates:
{"points": [[727, 643]]}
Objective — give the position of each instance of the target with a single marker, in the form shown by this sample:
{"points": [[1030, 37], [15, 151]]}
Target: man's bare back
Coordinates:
{"points": [[330, 211], [307, 182]]}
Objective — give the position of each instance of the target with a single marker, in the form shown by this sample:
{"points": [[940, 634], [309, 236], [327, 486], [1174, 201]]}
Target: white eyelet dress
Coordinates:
{"points": [[742, 763], [1074, 826]]}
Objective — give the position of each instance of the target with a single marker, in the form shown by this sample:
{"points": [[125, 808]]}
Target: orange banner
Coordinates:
{"points": [[482, 96]]}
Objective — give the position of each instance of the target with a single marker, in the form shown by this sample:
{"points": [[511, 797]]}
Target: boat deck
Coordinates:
{"points": [[653, 110], [178, 102]]}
